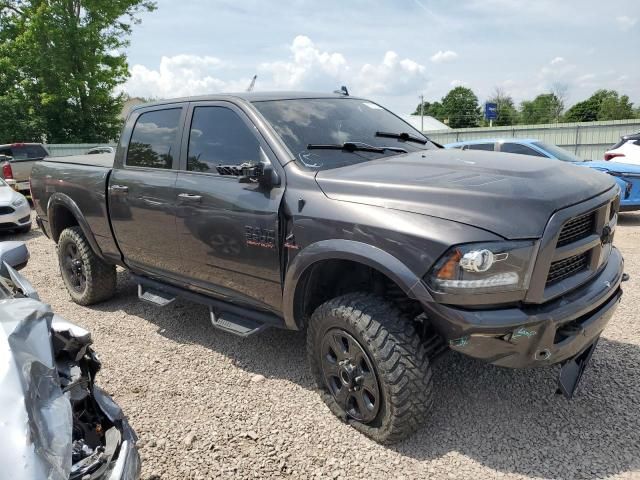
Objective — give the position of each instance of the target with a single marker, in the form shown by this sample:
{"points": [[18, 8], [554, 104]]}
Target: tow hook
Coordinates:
{"points": [[625, 277]]}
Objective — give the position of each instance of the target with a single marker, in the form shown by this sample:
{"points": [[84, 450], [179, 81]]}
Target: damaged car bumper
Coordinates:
{"points": [[540, 335], [55, 424]]}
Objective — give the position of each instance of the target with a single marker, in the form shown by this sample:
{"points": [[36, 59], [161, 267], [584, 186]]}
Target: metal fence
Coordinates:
{"points": [[66, 149], [588, 140]]}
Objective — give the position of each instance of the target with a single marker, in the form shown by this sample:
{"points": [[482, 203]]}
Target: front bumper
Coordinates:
{"points": [[20, 217], [535, 335], [126, 466]]}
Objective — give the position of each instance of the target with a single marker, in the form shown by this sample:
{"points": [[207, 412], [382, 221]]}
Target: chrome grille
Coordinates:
{"points": [[577, 228], [567, 267]]}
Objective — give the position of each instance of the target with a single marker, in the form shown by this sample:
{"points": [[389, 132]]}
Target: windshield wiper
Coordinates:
{"points": [[354, 147], [402, 136]]}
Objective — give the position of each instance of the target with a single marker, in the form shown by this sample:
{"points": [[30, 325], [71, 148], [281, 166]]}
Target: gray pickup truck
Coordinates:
{"points": [[328, 213]]}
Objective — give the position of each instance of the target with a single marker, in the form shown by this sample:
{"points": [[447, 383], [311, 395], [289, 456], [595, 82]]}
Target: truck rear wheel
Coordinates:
{"points": [[370, 366], [87, 277]]}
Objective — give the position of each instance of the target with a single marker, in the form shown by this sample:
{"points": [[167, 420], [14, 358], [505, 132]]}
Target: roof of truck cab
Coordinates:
{"points": [[494, 140], [246, 96]]}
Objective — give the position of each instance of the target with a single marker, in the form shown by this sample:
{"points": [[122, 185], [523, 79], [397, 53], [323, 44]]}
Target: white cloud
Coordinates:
{"points": [[458, 83], [392, 75], [556, 61], [443, 56], [181, 75], [626, 23], [587, 80], [307, 68], [311, 68]]}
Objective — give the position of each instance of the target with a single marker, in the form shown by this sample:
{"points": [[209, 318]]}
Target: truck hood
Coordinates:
{"points": [[510, 195]]}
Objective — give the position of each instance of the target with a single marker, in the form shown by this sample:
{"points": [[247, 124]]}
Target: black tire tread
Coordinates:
{"points": [[398, 354], [101, 276]]}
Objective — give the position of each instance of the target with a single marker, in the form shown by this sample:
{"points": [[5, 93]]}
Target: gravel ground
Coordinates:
{"points": [[206, 404]]}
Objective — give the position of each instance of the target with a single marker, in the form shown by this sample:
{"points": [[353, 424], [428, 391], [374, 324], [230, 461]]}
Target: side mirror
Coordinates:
{"points": [[14, 254], [262, 173]]}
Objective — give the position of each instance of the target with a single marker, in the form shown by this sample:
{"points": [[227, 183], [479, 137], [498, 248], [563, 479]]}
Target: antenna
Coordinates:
{"points": [[343, 91], [252, 84]]}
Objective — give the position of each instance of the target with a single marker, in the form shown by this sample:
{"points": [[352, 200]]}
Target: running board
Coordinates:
{"points": [[155, 297], [232, 318], [230, 323]]}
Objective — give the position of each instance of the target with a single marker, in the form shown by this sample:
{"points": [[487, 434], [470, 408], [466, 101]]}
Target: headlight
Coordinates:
{"points": [[18, 202], [484, 268]]}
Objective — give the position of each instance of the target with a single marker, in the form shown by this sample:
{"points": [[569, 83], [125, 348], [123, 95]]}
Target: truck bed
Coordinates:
{"points": [[78, 182], [98, 160]]}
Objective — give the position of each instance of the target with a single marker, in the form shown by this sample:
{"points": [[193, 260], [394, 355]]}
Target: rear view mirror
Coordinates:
{"points": [[14, 254]]}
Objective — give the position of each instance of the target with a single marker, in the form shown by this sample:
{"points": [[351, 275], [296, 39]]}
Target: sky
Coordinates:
{"points": [[390, 51]]}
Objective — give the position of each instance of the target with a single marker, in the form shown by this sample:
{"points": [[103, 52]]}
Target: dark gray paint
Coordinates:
{"points": [[511, 198], [398, 215]]}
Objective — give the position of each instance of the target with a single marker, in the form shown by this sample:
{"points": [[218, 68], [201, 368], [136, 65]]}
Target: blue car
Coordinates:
{"points": [[627, 176]]}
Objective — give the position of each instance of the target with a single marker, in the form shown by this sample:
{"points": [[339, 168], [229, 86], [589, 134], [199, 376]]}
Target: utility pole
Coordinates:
{"points": [[421, 113]]}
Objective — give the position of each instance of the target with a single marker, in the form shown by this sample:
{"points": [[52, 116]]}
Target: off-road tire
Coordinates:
{"points": [[398, 357], [100, 284]]}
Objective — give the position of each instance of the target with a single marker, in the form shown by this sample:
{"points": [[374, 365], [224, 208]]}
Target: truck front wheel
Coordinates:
{"points": [[370, 365], [87, 277]]}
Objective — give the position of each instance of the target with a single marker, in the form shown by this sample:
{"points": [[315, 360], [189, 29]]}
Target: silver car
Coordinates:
{"points": [[15, 211], [55, 423]]}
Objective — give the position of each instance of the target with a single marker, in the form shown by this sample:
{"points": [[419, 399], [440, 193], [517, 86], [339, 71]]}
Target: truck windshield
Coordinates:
{"points": [[332, 122]]}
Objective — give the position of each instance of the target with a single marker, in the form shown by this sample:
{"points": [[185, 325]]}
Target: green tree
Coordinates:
{"points": [[434, 110], [545, 108], [507, 112], [65, 66], [602, 105], [461, 109]]}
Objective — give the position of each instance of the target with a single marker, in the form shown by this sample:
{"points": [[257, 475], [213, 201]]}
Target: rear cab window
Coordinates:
{"points": [[154, 139], [24, 152]]}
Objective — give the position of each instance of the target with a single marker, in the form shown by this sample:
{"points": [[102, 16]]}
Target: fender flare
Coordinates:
{"points": [[359, 252], [61, 199]]}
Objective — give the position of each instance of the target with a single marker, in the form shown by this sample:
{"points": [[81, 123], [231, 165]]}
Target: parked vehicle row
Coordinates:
{"points": [[330, 214], [627, 176]]}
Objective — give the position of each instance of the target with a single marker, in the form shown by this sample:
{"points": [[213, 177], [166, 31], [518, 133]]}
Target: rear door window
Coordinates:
{"points": [[519, 149], [154, 139], [480, 146]]}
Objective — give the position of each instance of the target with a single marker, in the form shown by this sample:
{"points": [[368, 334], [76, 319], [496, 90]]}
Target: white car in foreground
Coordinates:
{"points": [[627, 150], [15, 211]]}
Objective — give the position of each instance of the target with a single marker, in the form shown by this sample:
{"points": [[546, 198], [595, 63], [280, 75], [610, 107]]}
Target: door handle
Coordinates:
{"points": [[189, 197], [123, 189]]}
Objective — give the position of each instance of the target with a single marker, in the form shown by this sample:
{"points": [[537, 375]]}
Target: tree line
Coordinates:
{"points": [[60, 64], [460, 108]]}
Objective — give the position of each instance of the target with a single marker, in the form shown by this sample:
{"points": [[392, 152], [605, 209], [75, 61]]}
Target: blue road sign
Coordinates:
{"points": [[490, 111]]}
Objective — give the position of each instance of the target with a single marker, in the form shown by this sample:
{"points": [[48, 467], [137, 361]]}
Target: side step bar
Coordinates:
{"points": [[155, 297], [241, 326], [232, 318]]}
